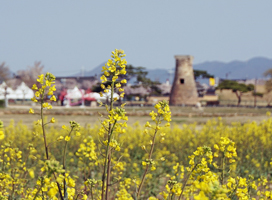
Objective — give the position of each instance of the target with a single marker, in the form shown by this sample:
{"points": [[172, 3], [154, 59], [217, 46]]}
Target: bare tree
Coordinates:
{"points": [[4, 76], [4, 72], [29, 76], [268, 86]]}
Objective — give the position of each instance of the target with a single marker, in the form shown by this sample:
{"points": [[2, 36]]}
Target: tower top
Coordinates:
{"points": [[182, 57]]}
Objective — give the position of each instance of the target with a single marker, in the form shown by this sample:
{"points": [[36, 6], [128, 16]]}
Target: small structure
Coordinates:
{"points": [[184, 90], [23, 92]]}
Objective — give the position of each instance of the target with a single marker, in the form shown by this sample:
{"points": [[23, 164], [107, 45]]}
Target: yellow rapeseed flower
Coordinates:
{"points": [[31, 110], [53, 120]]}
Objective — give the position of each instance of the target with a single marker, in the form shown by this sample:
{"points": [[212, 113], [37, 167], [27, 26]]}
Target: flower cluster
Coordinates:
{"points": [[45, 90], [2, 135], [111, 72], [227, 149]]}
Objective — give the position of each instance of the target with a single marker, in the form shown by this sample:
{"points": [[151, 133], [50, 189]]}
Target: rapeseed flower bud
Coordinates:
{"points": [[147, 124], [31, 111], [2, 135], [34, 87], [34, 99], [53, 120], [53, 98], [37, 94], [31, 173], [103, 79]]}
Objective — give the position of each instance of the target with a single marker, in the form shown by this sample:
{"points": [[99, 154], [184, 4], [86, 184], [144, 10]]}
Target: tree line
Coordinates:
{"points": [[140, 74]]}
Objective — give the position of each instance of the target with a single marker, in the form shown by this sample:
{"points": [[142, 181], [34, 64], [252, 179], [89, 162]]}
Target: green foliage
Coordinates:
{"points": [[257, 94], [2, 103], [138, 72], [268, 85], [134, 72], [268, 73], [97, 87], [238, 88], [235, 86], [202, 74]]}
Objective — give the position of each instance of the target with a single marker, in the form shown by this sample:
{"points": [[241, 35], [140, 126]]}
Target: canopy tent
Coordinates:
{"points": [[108, 95], [23, 92], [96, 96], [74, 93], [92, 96], [5, 89]]}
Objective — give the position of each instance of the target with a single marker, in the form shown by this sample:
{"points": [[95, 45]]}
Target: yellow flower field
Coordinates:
{"points": [[116, 161]]}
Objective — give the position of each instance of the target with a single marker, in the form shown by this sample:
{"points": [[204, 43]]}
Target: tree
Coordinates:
{"points": [[201, 74], [140, 74], [29, 76], [4, 76], [4, 72], [133, 72], [268, 83], [268, 86], [237, 88]]}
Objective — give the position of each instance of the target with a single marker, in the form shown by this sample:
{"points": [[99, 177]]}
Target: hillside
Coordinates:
{"points": [[253, 68]]}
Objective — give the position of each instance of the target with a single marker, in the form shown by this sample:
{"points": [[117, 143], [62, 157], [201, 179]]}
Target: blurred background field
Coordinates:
{"points": [[181, 115]]}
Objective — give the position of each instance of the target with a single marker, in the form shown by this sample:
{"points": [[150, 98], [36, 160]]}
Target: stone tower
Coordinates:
{"points": [[184, 87]]}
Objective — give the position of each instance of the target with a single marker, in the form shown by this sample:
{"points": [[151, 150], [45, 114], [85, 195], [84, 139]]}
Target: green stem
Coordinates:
{"points": [[111, 128], [183, 187], [104, 173], [92, 192], [64, 165], [150, 155], [172, 196], [234, 191], [45, 142], [223, 168], [107, 158], [105, 163], [38, 191], [43, 129]]}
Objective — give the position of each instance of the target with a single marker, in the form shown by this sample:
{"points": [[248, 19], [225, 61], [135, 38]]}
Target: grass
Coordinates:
{"points": [[181, 115]]}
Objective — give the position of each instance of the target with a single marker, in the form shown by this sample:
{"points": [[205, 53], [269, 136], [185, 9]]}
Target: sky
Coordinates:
{"points": [[68, 36]]}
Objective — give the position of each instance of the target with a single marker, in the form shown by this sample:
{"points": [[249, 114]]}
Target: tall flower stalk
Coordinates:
{"points": [[111, 125], [163, 113], [46, 89]]}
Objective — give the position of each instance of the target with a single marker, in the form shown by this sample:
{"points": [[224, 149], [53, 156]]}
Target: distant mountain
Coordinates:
{"points": [[253, 68], [94, 72]]}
